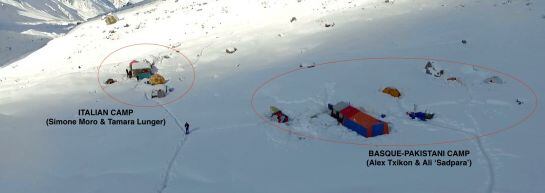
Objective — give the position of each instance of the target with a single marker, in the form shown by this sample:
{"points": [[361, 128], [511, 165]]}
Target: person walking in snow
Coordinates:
{"points": [[186, 128]]}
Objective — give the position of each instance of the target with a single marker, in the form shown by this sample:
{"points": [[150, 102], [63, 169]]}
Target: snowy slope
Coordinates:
{"points": [[57, 9], [27, 25], [230, 148]]}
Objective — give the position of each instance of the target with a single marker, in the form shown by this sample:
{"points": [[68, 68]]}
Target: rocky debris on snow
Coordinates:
{"points": [[329, 24], [304, 65], [112, 35], [293, 19], [175, 45], [494, 80], [231, 50], [140, 25], [265, 4]]}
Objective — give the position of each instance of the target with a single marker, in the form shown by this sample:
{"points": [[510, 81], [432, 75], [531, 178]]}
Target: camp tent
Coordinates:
{"points": [[157, 79], [493, 80], [392, 92], [274, 109], [358, 121], [110, 19], [140, 69]]}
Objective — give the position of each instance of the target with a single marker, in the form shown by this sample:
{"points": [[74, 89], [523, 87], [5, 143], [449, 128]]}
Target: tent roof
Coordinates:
{"points": [[139, 64], [349, 111], [364, 120], [340, 106]]}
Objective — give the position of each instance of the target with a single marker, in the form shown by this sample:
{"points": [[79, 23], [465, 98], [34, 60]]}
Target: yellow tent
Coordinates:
{"points": [[274, 109], [392, 92], [110, 19], [157, 79]]}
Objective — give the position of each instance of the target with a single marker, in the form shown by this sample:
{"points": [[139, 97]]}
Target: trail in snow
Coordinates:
{"points": [[491, 173], [166, 175], [486, 156], [200, 54]]}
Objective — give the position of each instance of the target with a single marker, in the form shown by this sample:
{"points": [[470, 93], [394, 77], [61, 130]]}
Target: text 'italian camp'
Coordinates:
{"points": [[105, 112]]}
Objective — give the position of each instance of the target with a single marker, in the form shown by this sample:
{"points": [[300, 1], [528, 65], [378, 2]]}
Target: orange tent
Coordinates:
{"points": [[392, 92]]}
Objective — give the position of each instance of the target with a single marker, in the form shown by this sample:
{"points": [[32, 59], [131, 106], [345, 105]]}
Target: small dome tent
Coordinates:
{"points": [[392, 92], [157, 79], [110, 19]]}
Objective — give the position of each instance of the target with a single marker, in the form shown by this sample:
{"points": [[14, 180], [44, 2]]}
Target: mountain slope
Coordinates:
{"points": [[230, 149], [27, 25]]}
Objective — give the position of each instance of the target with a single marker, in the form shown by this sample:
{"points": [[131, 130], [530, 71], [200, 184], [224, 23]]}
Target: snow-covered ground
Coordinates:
{"points": [[230, 148]]}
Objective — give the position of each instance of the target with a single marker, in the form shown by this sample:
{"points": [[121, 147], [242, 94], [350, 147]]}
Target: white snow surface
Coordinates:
{"points": [[230, 149]]}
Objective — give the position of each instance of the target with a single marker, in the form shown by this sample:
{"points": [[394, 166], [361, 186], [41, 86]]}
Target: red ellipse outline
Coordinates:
{"points": [[524, 119], [150, 106]]}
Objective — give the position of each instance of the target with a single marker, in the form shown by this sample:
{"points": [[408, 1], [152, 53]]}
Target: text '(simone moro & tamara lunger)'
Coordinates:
{"points": [[110, 117]]}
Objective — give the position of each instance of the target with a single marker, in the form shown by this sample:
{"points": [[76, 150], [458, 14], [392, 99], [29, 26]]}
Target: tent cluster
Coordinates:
{"points": [[437, 72], [146, 70], [358, 121], [369, 126]]}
